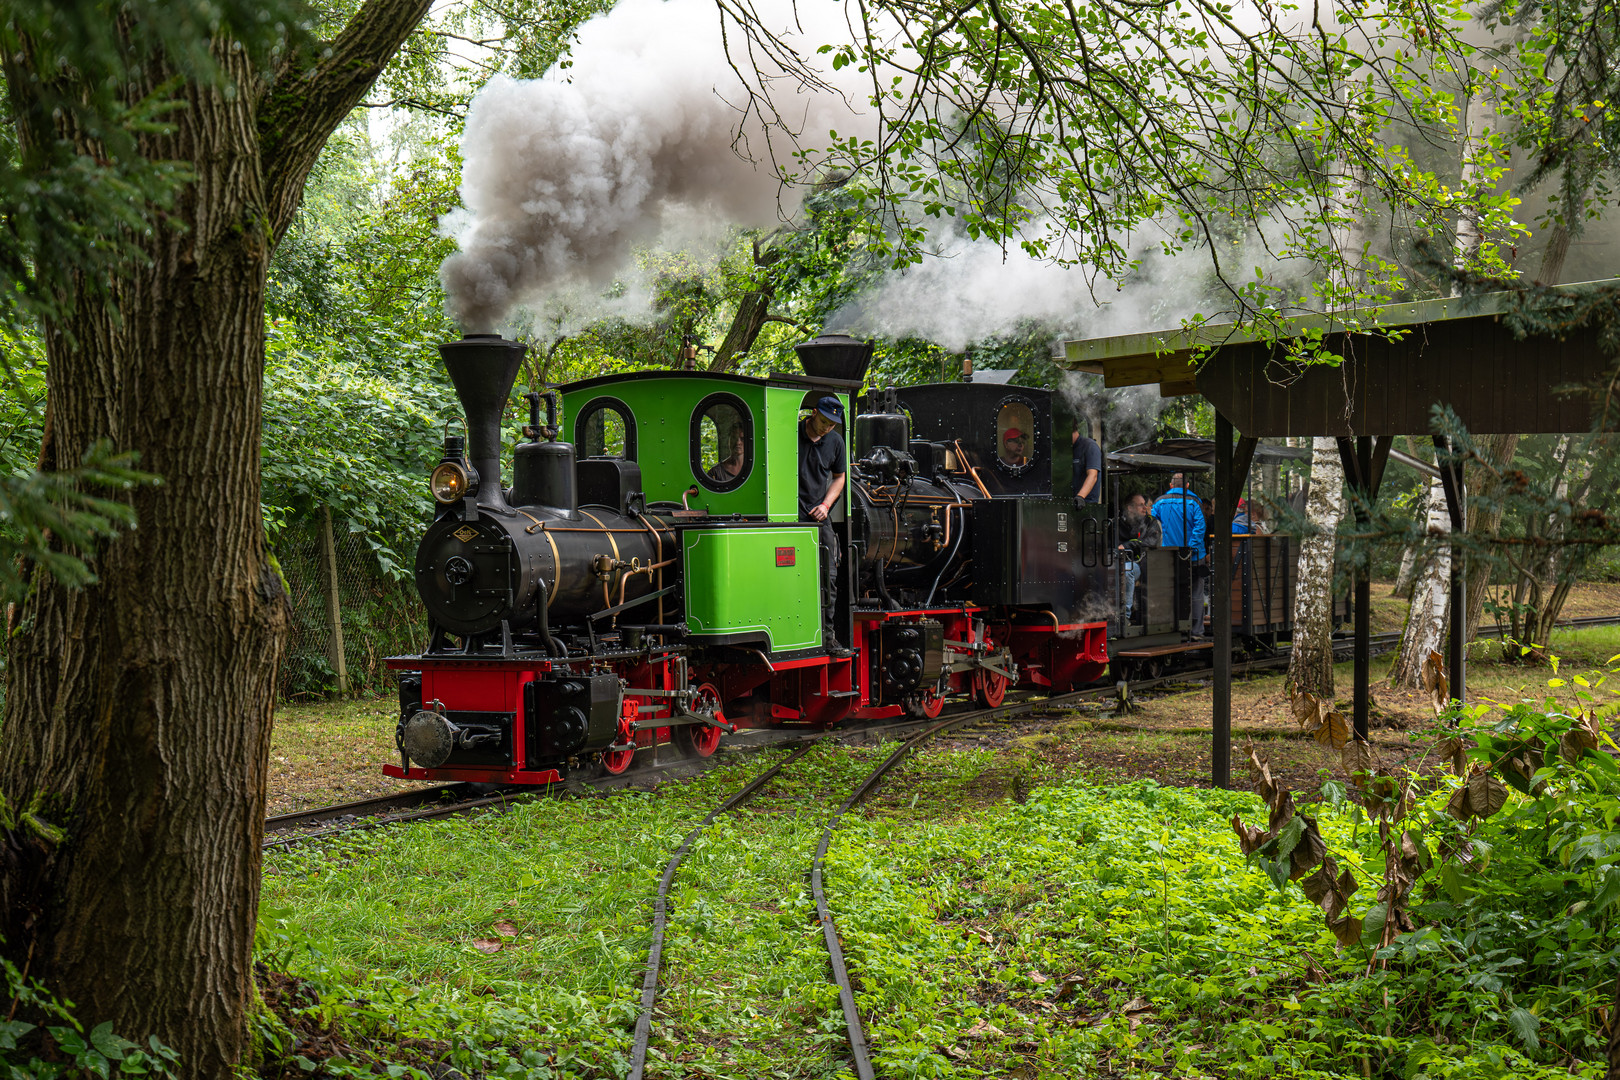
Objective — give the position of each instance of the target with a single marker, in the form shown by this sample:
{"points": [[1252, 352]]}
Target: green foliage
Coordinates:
{"points": [[356, 429], [58, 1046], [56, 520], [70, 220], [1292, 127]]}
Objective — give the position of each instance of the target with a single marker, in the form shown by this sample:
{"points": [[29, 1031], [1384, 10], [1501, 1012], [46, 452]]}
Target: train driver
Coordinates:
{"points": [[822, 462], [1015, 447], [729, 468]]}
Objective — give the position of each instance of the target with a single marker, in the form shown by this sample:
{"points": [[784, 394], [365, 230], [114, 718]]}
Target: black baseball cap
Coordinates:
{"points": [[830, 408]]}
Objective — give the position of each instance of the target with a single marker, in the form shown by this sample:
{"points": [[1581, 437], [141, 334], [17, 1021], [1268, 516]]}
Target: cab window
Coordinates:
{"points": [[722, 442], [1015, 435], [606, 428]]}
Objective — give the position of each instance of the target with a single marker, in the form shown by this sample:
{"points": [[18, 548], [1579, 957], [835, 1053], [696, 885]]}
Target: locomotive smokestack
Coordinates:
{"points": [[484, 367], [835, 356]]}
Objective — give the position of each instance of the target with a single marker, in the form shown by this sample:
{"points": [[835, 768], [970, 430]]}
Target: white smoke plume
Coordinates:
{"points": [[969, 290], [565, 173]]}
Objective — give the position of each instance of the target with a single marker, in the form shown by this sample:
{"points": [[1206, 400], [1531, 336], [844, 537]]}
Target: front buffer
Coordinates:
{"points": [[533, 721]]}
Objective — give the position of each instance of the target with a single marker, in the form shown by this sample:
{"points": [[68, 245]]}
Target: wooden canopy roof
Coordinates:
{"points": [[1454, 351]]}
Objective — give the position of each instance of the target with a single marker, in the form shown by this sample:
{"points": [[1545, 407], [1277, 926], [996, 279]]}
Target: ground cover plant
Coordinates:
{"points": [[1001, 920]]}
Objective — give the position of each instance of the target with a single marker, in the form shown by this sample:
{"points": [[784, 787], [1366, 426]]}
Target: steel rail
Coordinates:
{"points": [[403, 800], [856, 1031], [878, 728], [655, 952]]}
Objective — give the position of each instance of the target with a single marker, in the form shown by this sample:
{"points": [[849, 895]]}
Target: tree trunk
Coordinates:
{"points": [[1552, 260], [1425, 628], [1310, 664], [753, 312], [1486, 521], [1406, 577], [745, 327], [138, 709]]}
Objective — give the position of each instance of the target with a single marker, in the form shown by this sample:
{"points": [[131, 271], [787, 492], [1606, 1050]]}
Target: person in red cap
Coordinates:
{"points": [[1014, 447]]}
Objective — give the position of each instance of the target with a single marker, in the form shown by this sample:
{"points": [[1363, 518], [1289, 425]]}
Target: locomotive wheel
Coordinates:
{"points": [[925, 705], [616, 762], [989, 689], [700, 740]]}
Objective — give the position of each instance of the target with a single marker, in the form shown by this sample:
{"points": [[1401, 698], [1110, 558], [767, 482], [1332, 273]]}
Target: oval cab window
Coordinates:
{"points": [[722, 442], [1015, 436], [606, 428]]}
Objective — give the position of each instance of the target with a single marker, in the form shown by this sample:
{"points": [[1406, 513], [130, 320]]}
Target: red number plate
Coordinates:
{"points": [[784, 556]]}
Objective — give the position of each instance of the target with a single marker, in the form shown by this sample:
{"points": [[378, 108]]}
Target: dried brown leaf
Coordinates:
{"points": [[1335, 730], [1346, 930], [1308, 853], [1459, 805], [486, 945], [1581, 737], [1356, 757], [1282, 810], [1453, 750], [1249, 837], [506, 929], [1307, 710], [1486, 794], [1435, 682]]}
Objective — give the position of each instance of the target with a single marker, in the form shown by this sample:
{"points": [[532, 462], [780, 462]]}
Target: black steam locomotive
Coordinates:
{"points": [[647, 580]]}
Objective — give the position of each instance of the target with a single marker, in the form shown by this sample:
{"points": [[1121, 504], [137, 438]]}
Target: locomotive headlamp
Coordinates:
{"points": [[450, 482]]}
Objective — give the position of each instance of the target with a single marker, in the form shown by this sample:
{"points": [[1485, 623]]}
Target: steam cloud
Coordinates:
{"points": [[565, 173], [969, 290]]}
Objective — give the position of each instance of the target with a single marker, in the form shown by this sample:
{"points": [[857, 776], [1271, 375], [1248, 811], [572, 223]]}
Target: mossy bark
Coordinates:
{"points": [[138, 711]]}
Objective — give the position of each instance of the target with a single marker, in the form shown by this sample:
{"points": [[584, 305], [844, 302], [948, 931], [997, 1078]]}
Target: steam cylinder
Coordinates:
{"points": [[905, 530]]}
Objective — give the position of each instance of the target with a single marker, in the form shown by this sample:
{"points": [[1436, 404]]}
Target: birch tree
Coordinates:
{"points": [[1310, 663], [1426, 620]]}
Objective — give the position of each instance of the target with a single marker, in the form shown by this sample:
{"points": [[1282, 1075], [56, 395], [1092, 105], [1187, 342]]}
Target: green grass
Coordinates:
{"points": [[1092, 930]]}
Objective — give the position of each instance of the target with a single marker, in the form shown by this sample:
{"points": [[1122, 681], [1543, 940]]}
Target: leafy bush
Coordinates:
{"points": [[60, 1047]]}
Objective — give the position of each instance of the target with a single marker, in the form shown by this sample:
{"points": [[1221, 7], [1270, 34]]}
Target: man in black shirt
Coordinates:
{"points": [[1087, 469], [822, 462]]}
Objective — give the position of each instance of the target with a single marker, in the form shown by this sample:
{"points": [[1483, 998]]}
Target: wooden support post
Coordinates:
{"points": [[1231, 470], [334, 608], [1363, 647], [1220, 602], [1364, 459], [1451, 479]]}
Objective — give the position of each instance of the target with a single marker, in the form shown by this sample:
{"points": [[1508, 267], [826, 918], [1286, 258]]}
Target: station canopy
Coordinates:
{"points": [[1457, 351]]}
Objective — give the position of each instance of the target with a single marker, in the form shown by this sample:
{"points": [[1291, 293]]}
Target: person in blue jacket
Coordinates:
{"points": [[1181, 517]]}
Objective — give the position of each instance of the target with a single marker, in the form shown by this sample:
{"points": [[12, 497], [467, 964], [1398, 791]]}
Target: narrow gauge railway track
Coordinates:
{"points": [[840, 973], [450, 799]]}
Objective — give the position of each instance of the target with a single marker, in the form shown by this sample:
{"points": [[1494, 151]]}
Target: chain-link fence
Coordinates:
{"points": [[374, 616]]}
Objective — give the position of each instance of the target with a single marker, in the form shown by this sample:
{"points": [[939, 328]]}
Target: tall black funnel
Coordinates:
{"points": [[835, 356], [484, 367]]}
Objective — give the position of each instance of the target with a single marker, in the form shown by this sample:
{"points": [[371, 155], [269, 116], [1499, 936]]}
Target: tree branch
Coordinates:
{"points": [[313, 94]]}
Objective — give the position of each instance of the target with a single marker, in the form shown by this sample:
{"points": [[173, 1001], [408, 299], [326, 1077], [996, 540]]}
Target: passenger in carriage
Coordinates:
{"points": [[1181, 516], [1138, 530]]}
